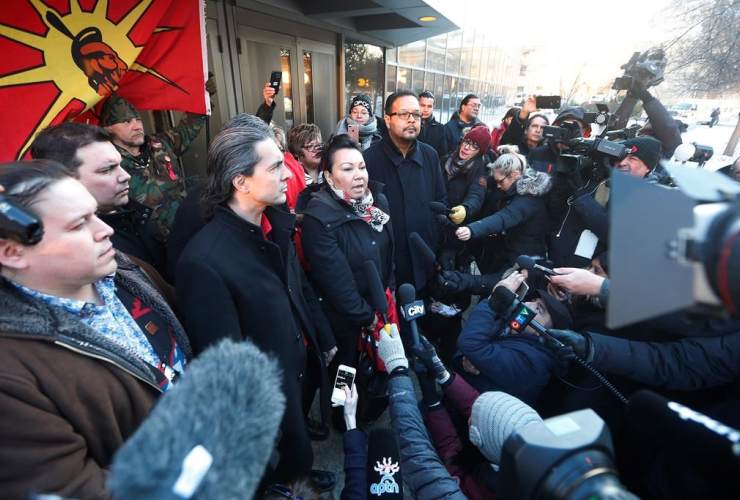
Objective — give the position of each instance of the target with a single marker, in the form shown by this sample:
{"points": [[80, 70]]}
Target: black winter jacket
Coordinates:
{"points": [[232, 282], [467, 188], [543, 159], [134, 234], [454, 129], [336, 243], [522, 215], [433, 133], [411, 183], [514, 134]]}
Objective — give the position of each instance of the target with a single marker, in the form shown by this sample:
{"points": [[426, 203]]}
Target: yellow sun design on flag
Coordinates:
{"points": [[85, 55]]}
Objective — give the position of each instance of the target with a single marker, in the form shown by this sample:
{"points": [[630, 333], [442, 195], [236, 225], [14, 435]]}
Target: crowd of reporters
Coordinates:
{"points": [[125, 291]]}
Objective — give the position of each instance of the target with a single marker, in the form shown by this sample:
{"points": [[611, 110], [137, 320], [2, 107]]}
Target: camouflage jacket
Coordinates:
{"points": [[157, 180]]}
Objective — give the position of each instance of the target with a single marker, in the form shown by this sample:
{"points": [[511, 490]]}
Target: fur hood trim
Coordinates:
{"points": [[533, 183]]}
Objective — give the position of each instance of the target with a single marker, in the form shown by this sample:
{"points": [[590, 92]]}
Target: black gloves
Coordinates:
{"points": [[428, 357], [639, 91], [576, 344], [428, 385], [451, 281]]}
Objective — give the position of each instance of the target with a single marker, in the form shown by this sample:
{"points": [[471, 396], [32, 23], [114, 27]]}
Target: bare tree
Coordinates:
{"points": [[705, 54]]}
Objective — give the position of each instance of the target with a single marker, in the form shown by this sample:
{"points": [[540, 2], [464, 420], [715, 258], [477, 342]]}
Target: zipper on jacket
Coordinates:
{"points": [[103, 358]]}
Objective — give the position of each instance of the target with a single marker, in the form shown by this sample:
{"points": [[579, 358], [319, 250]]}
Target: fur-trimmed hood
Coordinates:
{"points": [[533, 183]]}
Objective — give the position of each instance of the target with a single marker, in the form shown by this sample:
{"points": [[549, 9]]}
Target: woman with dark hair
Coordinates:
{"points": [[346, 223], [87, 343]]}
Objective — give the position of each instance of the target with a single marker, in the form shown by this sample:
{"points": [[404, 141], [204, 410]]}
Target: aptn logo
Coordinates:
{"points": [[387, 483]]}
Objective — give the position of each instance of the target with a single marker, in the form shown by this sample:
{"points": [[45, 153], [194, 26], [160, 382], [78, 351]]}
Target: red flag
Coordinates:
{"points": [[62, 57]]}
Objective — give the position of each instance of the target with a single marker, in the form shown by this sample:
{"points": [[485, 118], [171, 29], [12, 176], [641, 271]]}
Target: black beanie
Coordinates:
{"points": [[645, 148], [364, 101]]}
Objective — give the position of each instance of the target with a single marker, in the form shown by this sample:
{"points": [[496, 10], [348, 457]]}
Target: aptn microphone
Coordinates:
{"points": [[528, 263], [412, 309], [384, 474]]}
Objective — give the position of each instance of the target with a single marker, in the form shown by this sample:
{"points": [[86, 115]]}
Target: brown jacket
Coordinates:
{"points": [[69, 397]]}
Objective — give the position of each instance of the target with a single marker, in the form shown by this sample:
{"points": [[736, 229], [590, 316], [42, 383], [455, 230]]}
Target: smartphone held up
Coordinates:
{"points": [[345, 377]]}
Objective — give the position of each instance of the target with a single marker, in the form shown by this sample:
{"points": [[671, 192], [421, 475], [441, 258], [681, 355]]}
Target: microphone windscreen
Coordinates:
{"points": [[229, 401], [501, 300], [426, 253], [384, 477], [377, 292], [407, 293], [683, 430], [684, 152], [526, 262], [438, 207]]}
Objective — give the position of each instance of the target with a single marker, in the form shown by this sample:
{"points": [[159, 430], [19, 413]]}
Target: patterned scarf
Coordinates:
{"points": [[364, 208], [455, 164]]}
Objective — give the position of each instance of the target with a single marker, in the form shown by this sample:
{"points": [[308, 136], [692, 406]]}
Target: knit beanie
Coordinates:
{"points": [[480, 136], [364, 101], [645, 148], [495, 417], [116, 109]]}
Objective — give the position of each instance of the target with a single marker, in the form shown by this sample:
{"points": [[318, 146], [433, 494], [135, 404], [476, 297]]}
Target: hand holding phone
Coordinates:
{"points": [[548, 101], [354, 132], [275, 79], [345, 378]]}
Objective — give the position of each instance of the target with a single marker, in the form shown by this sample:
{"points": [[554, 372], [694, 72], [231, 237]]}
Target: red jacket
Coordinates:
{"points": [[496, 134], [448, 443]]}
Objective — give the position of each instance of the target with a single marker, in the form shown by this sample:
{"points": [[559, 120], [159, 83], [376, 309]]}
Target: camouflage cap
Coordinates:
{"points": [[116, 109]]}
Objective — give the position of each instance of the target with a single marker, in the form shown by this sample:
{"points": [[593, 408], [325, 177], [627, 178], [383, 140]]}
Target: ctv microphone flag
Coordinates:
{"points": [[61, 59]]}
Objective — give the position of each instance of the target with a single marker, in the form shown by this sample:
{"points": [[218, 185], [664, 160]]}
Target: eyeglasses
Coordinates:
{"points": [[470, 145], [313, 147], [283, 491], [500, 182], [404, 115], [474, 106]]}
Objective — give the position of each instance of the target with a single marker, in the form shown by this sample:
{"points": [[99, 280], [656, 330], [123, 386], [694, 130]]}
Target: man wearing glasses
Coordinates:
{"points": [[413, 179], [464, 118]]}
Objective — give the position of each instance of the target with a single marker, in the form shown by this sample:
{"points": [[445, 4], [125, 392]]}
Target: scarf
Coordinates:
{"points": [[366, 131], [455, 164], [364, 208]]}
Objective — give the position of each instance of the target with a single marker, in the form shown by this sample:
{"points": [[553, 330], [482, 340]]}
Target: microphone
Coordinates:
{"points": [[426, 253], [209, 436], [439, 208], [412, 308], [528, 263], [444, 221], [384, 475], [683, 430], [377, 292], [507, 306], [684, 152]]}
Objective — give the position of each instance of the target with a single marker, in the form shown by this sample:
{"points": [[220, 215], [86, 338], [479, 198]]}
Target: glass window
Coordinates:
{"points": [[287, 88], [413, 54], [363, 66], [429, 81], [483, 72], [454, 44], [417, 81], [391, 55], [404, 78], [391, 84], [436, 47], [475, 67], [522, 70], [308, 81], [466, 56]]}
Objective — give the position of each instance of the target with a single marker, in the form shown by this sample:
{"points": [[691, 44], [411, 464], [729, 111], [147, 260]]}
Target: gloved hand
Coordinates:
{"points": [[457, 214], [639, 91], [427, 354], [211, 84], [428, 386], [391, 350], [576, 344]]}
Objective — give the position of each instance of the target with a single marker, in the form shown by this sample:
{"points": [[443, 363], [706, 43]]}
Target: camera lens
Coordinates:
{"points": [[722, 257], [585, 475]]}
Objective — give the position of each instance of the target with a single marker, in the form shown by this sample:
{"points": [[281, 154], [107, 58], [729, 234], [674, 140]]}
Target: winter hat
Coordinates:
{"points": [[561, 319], [645, 148], [578, 113], [364, 101], [116, 109], [480, 136], [495, 417]]}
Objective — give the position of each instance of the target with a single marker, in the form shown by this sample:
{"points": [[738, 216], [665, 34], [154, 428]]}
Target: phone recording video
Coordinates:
{"points": [[345, 377], [548, 102], [275, 79]]}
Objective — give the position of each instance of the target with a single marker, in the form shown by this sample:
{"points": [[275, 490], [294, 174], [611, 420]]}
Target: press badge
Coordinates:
{"points": [[587, 245]]}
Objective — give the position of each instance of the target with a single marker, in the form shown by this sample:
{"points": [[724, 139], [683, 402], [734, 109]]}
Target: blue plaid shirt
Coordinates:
{"points": [[111, 319]]}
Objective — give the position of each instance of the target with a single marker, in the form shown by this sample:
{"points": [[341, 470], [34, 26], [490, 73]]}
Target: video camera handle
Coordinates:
{"points": [[518, 316]]}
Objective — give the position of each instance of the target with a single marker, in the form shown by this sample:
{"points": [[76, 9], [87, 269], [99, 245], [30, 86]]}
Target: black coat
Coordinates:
{"points": [[514, 134], [433, 133], [232, 282], [134, 234], [522, 215], [336, 243], [467, 188], [411, 183], [543, 159], [189, 220]]}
